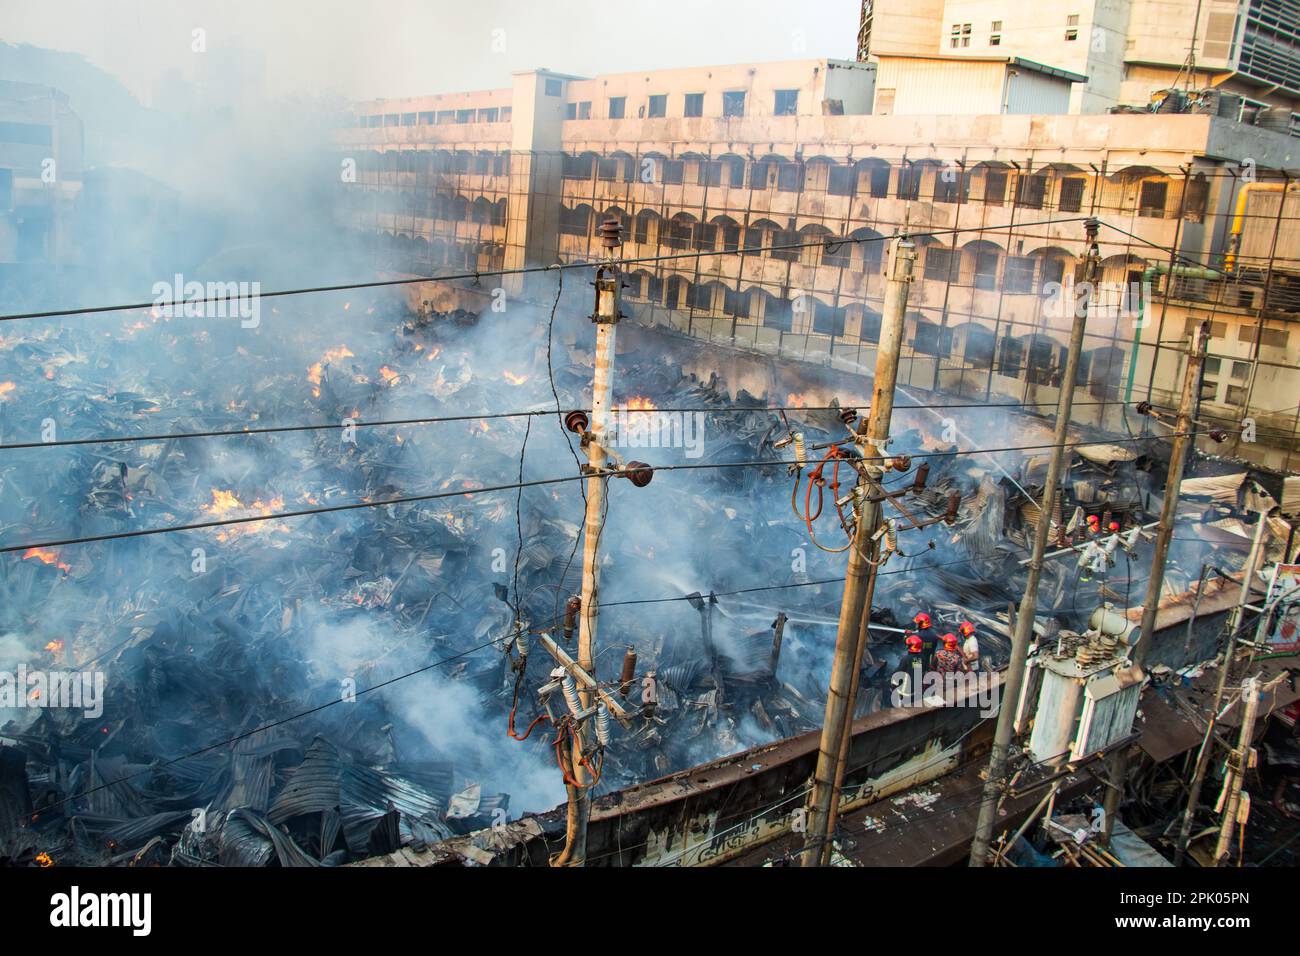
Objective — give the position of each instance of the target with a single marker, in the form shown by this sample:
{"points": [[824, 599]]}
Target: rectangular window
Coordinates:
{"points": [[960, 35], [951, 186], [1151, 200], [759, 175], [392, 119], [658, 106], [679, 234], [909, 182], [464, 116], [841, 180], [1019, 276], [488, 115], [554, 88], [733, 104], [1030, 191], [428, 119], [940, 264], [736, 172], [693, 104], [584, 110], [1072, 27], [787, 102], [1071, 199], [789, 177], [730, 238], [995, 33], [446, 116], [571, 111], [785, 237], [408, 119], [674, 171], [879, 181], [710, 173], [617, 106], [986, 270], [706, 236]]}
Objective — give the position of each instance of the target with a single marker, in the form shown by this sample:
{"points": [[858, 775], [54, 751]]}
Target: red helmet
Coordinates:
{"points": [[966, 628], [1114, 526], [922, 620], [913, 644], [1094, 520], [950, 642]]}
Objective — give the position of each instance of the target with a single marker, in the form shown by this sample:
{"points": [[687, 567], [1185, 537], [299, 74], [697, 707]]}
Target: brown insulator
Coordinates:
{"points": [[576, 422], [611, 233], [954, 503], [629, 672], [571, 609], [922, 473], [638, 472]]}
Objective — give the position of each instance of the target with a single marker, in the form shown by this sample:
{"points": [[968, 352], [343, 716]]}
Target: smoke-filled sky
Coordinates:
{"points": [[408, 47]]}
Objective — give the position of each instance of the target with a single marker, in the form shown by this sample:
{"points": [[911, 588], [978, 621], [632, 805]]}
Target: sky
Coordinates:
{"points": [[360, 50]]}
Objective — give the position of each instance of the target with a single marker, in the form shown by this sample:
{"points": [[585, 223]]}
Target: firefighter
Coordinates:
{"points": [[1113, 527], [915, 665], [970, 648], [948, 659], [1094, 525], [928, 640]]}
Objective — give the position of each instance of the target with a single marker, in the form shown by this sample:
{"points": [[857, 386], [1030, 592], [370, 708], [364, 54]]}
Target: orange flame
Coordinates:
{"points": [[389, 376], [514, 379], [44, 860], [54, 647], [639, 403], [226, 505], [46, 556], [798, 400], [6, 389], [314, 372]]}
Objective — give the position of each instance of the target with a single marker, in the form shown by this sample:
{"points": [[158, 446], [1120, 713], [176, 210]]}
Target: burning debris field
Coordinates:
{"points": [[338, 653]]}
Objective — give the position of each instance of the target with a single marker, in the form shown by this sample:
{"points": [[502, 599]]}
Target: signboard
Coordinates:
{"points": [[1282, 626]]}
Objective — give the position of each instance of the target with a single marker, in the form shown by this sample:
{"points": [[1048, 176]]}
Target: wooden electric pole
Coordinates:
{"points": [[594, 438], [1087, 271], [1239, 761], [859, 583], [1183, 439]]}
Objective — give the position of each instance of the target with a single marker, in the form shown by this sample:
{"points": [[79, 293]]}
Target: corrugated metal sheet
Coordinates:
{"points": [[1261, 223], [1219, 487], [1109, 707], [934, 86], [1036, 93]]}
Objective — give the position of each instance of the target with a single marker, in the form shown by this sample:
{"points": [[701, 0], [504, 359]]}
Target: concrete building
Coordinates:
{"points": [[1127, 49], [41, 149], [718, 160]]}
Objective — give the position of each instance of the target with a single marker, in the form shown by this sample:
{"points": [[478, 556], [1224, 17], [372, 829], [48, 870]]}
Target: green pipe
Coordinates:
{"points": [[1159, 268]]}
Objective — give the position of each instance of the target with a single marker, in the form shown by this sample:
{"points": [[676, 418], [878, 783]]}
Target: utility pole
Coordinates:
{"points": [[1182, 441], [1230, 648], [1087, 272], [594, 437], [859, 583], [1239, 761]]}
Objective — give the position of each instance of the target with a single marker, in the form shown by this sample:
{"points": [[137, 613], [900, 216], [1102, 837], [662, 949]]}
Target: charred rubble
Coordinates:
{"points": [[237, 724]]}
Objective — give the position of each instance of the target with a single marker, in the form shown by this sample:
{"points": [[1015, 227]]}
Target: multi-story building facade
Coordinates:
{"points": [[41, 158], [1127, 49], [774, 188]]}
